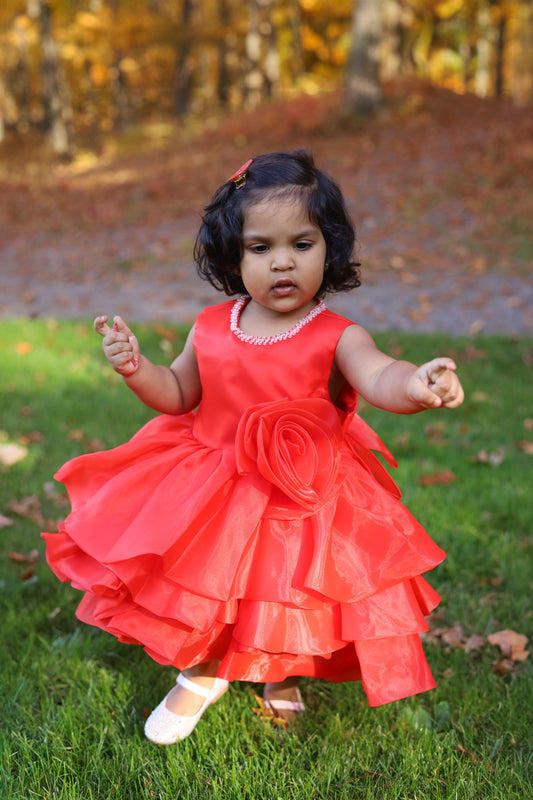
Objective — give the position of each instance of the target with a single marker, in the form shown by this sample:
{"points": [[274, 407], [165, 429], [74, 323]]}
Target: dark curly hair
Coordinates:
{"points": [[218, 249]]}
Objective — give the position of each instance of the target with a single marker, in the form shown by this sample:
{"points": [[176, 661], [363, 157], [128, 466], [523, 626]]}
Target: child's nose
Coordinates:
{"points": [[282, 259]]}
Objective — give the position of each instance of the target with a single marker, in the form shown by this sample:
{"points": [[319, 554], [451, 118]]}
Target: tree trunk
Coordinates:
{"points": [[57, 107], [224, 78], [296, 65], [253, 80], [501, 41], [120, 93], [482, 82], [272, 68], [363, 92], [183, 73]]}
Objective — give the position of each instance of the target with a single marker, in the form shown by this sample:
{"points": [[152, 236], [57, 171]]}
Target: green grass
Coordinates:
{"points": [[73, 699]]}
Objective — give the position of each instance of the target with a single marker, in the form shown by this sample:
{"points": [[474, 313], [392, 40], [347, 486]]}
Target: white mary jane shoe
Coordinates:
{"points": [[165, 727]]}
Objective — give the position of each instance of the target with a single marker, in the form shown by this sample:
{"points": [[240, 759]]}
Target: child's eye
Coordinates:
{"points": [[258, 248], [303, 245]]}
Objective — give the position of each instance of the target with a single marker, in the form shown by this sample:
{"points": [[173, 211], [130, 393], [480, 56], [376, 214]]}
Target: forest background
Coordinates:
{"points": [[119, 118], [74, 70]]}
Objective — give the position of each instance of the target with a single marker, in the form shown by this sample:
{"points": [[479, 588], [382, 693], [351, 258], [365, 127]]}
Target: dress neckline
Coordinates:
{"points": [[239, 304]]}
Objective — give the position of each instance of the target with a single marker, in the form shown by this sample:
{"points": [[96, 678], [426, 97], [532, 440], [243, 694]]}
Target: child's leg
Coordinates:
{"points": [[186, 703], [287, 692]]}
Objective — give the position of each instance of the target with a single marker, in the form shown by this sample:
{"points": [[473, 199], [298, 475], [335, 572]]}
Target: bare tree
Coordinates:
{"points": [[183, 74], [56, 101], [363, 92]]}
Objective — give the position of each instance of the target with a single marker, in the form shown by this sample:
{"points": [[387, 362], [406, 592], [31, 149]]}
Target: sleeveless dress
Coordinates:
{"points": [[259, 529]]}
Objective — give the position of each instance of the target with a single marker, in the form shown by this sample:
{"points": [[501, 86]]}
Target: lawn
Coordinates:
{"points": [[74, 700]]}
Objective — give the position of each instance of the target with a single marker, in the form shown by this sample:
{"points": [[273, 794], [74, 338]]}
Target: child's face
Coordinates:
{"points": [[284, 255]]}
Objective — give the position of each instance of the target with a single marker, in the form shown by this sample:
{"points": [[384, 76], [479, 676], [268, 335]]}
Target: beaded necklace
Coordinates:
{"points": [[279, 337]]}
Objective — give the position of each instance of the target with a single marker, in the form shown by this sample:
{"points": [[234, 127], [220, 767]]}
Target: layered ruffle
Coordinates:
{"points": [[289, 555]]}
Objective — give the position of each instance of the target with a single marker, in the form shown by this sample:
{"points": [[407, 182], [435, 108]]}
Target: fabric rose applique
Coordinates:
{"points": [[293, 444]]}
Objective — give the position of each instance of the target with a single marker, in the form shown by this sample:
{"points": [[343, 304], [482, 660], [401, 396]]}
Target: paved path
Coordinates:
{"points": [[118, 272]]}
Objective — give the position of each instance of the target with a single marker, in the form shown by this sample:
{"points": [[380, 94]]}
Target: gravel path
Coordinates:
{"points": [[133, 273]]}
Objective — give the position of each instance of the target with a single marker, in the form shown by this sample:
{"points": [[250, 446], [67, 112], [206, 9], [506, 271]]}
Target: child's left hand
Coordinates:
{"points": [[435, 385]]}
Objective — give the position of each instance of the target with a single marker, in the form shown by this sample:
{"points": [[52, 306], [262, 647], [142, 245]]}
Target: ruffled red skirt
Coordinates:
{"points": [[198, 554]]}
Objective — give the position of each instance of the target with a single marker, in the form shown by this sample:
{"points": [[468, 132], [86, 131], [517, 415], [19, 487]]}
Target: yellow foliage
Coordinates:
{"points": [[310, 39], [129, 65], [92, 22], [100, 74], [447, 8], [23, 22], [443, 64], [70, 52]]}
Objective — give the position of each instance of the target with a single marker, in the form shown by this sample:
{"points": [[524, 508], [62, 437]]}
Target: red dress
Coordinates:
{"points": [[258, 529]]}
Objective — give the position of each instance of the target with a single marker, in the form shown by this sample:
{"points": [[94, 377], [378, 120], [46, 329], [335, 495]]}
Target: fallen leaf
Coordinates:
{"points": [[266, 713], [29, 508], [503, 667], [33, 436], [472, 353], [17, 557], [5, 522], [435, 433], [448, 673], [94, 445], [20, 558], [444, 477], [526, 447], [511, 644], [165, 333], [51, 492], [461, 749], [22, 348], [453, 636], [402, 440], [27, 573], [11, 453], [476, 326], [474, 642], [493, 459]]}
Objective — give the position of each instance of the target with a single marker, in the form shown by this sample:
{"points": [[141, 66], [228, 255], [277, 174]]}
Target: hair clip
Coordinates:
{"points": [[239, 177]]}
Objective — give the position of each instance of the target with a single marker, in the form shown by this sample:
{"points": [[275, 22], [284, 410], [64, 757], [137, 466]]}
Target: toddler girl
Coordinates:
{"points": [[248, 532]]}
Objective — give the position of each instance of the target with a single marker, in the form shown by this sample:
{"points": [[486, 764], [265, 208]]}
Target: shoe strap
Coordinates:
{"points": [[285, 705], [191, 686]]}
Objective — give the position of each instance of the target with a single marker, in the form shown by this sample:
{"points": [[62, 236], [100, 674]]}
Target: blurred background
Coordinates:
{"points": [[119, 119], [73, 70]]}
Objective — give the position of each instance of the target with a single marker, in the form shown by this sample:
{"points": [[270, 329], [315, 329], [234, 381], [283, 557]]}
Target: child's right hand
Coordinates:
{"points": [[121, 347]]}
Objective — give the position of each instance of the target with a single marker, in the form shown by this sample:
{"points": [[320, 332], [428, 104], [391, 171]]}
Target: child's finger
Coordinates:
{"points": [[100, 325], [437, 367], [120, 326]]}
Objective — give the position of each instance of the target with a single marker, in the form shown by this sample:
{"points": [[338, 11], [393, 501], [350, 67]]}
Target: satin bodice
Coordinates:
{"points": [[236, 373]]}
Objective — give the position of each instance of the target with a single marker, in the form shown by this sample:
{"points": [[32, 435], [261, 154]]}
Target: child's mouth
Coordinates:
{"points": [[283, 288]]}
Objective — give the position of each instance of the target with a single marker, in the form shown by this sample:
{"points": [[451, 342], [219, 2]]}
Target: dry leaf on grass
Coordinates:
{"points": [[471, 755], [511, 644], [443, 477], [30, 508], [526, 447], [20, 558], [474, 642], [11, 453], [266, 713], [493, 459]]}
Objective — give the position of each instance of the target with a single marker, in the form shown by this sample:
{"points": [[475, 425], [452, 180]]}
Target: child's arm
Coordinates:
{"points": [[396, 385], [170, 390]]}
